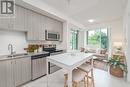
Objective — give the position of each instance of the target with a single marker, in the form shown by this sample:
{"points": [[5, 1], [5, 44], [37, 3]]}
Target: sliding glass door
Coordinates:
{"points": [[98, 38], [74, 39]]}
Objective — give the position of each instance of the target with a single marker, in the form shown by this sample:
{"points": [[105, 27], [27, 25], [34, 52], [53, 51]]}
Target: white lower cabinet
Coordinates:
{"points": [[26, 70], [15, 72], [22, 70], [6, 74]]}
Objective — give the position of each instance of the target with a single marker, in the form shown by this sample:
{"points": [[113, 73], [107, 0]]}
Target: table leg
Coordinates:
{"points": [[70, 79]]}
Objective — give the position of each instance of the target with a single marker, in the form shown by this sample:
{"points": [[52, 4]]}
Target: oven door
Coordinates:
{"points": [[52, 36], [53, 68]]}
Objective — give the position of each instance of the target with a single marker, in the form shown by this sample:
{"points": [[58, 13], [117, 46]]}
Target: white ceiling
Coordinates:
{"points": [[83, 10]]}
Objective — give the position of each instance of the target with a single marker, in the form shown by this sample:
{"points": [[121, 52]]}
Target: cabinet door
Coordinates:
{"points": [[41, 29], [54, 26], [10, 73], [30, 35], [33, 29], [3, 74], [19, 18], [18, 22], [22, 70], [6, 74], [59, 28], [36, 26], [26, 19], [17, 64], [26, 69], [6, 23], [50, 24]]}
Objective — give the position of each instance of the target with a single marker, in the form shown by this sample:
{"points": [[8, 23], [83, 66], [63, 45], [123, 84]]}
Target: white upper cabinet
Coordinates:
{"points": [[59, 28], [18, 22], [32, 28], [54, 26], [21, 17], [42, 27], [50, 24], [26, 20], [6, 23], [36, 26], [31, 22]]}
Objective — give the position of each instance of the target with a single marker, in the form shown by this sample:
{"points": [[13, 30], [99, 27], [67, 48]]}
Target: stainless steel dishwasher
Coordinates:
{"points": [[39, 65]]}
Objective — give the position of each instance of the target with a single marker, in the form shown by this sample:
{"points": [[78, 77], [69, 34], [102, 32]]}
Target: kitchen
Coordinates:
{"points": [[41, 44], [21, 60], [27, 28]]}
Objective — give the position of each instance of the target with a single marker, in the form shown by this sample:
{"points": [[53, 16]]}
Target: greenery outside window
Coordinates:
{"points": [[74, 39], [98, 38]]}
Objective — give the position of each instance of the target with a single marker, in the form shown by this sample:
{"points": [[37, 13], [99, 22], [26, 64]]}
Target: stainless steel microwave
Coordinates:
{"points": [[52, 36]]}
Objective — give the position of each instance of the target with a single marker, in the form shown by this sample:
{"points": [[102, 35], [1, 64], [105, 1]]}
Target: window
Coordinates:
{"points": [[74, 39], [98, 38]]}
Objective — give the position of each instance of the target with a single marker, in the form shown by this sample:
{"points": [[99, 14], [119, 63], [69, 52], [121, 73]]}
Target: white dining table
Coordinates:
{"points": [[69, 61]]}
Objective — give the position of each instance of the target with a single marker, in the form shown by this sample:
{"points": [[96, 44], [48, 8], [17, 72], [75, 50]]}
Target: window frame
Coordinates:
{"points": [[77, 31], [87, 33]]}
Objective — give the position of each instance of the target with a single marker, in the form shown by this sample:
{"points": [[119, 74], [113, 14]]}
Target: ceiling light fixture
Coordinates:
{"points": [[91, 20]]}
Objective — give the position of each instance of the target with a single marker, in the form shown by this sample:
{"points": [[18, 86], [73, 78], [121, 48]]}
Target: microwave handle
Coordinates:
{"points": [[58, 36], [46, 35]]}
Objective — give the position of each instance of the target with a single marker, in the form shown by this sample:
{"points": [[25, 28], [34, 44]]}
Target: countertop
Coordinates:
{"points": [[21, 55], [70, 59]]}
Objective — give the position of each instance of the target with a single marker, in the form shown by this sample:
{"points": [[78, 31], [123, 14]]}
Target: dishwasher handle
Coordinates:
{"points": [[40, 56]]}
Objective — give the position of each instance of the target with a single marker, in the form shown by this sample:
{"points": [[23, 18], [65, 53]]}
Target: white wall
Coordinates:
{"points": [[127, 37], [65, 43], [80, 36], [115, 26], [115, 29], [81, 39], [18, 39]]}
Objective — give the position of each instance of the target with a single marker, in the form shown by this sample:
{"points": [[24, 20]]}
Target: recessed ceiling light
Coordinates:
{"points": [[91, 20]]}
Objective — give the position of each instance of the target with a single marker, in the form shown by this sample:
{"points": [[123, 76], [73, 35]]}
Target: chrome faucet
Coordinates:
{"points": [[10, 48]]}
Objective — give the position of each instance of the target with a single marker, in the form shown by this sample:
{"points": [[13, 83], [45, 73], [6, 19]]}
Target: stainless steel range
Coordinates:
{"points": [[51, 48]]}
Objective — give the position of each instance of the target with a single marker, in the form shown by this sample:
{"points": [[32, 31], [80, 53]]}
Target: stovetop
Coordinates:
{"points": [[52, 50]]}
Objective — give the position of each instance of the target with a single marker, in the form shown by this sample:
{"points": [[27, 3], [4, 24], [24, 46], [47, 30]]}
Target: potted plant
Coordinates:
{"points": [[117, 67]]}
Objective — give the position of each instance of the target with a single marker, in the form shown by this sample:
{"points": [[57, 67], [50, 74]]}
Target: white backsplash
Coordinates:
{"points": [[17, 39], [59, 45]]}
